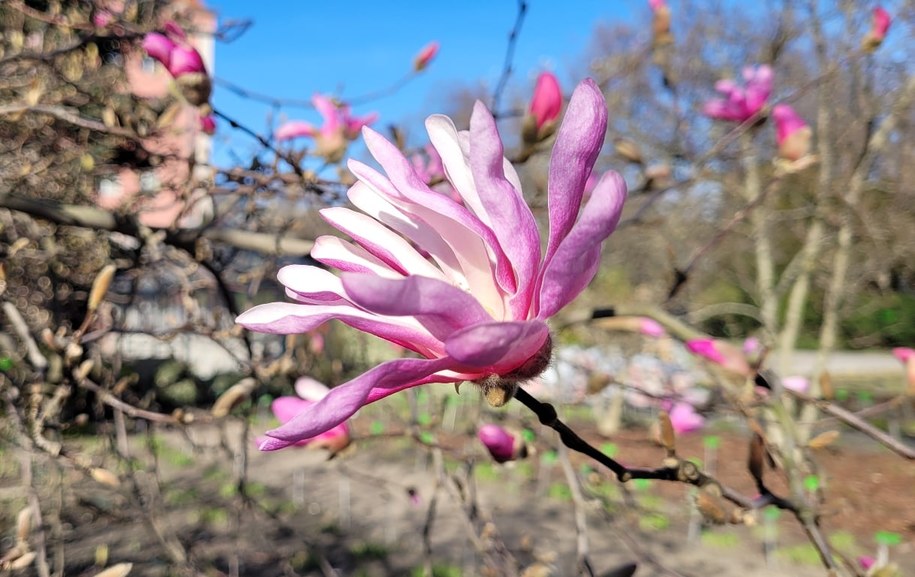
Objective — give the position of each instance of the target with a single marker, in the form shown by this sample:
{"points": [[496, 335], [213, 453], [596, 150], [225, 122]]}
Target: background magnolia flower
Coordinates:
{"points": [[660, 24], [310, 391], [476, 309], [546, 104], [339, 127], [500, 443], [720, 353], [741, 104], [880, 25], [425, 56], [791, 133], [685, 419], [796, 383], [172, 51], [651, 328]]}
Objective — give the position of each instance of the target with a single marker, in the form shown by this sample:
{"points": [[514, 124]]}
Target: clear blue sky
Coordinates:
{"points": [[294, 49]]}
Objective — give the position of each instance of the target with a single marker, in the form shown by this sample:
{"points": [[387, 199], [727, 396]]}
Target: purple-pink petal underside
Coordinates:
{"points": [[578, 256], [578, 143], [437, 305], [497, 347], [343, 401], [312, 285], [511, 219], [290, 318]]}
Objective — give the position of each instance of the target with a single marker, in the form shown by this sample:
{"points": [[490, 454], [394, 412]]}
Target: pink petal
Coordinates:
{"points": [[285, 408], [328, 111], [904, 354], [312, 285], [310, 389], [547, 100], [440, 307], [510, 218], [289, 318], [577, 258], [343, 401], [380, 241], [796, 383], [499, 442], [295, 129], [470, 240], [497, 347], [346, 256], [185, 60], [685, 419], [578, 143], [159, 47]]}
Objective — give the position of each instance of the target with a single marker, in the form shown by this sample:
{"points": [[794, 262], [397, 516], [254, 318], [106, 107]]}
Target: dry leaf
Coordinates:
{"points": [[105, 477], [757, 458], [23, 525], [823, 439], [826, 390], [711, 507], [119, 570], [233, 395], [666, 435]]}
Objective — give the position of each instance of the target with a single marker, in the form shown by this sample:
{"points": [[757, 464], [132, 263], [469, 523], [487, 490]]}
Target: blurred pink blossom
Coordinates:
{"points": [[904, 354], [741, 104], [547, 101], [720, 353], [102, 18], [425, 56], [476, 310], [656, 5], [208, 124], [685, 419], [796, 383], [651, 328], [499, 442], [339, 127], [310, 392], [791, 133], [866, 561], [880, 25], [172, 51]]}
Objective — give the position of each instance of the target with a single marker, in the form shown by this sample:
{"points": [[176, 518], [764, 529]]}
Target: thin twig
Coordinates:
{"points": [[509, 55]]}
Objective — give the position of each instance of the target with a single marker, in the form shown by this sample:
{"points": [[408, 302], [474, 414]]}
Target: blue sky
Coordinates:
{"points": [[294, 49]]}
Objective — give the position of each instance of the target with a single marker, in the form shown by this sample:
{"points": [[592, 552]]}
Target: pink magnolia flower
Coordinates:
{"points": [[796, 383], [208, 124], [430, 169], [904, 354], [500, 443], [880, 25], [102, 18], [791, 133], [685, 419], [547, 101], [741, 104], [339, 127], [476, 309], [425, 56], [656, 5], [310, 392], [866, 561], [651, 328], [720, 353], [172, 50]]}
